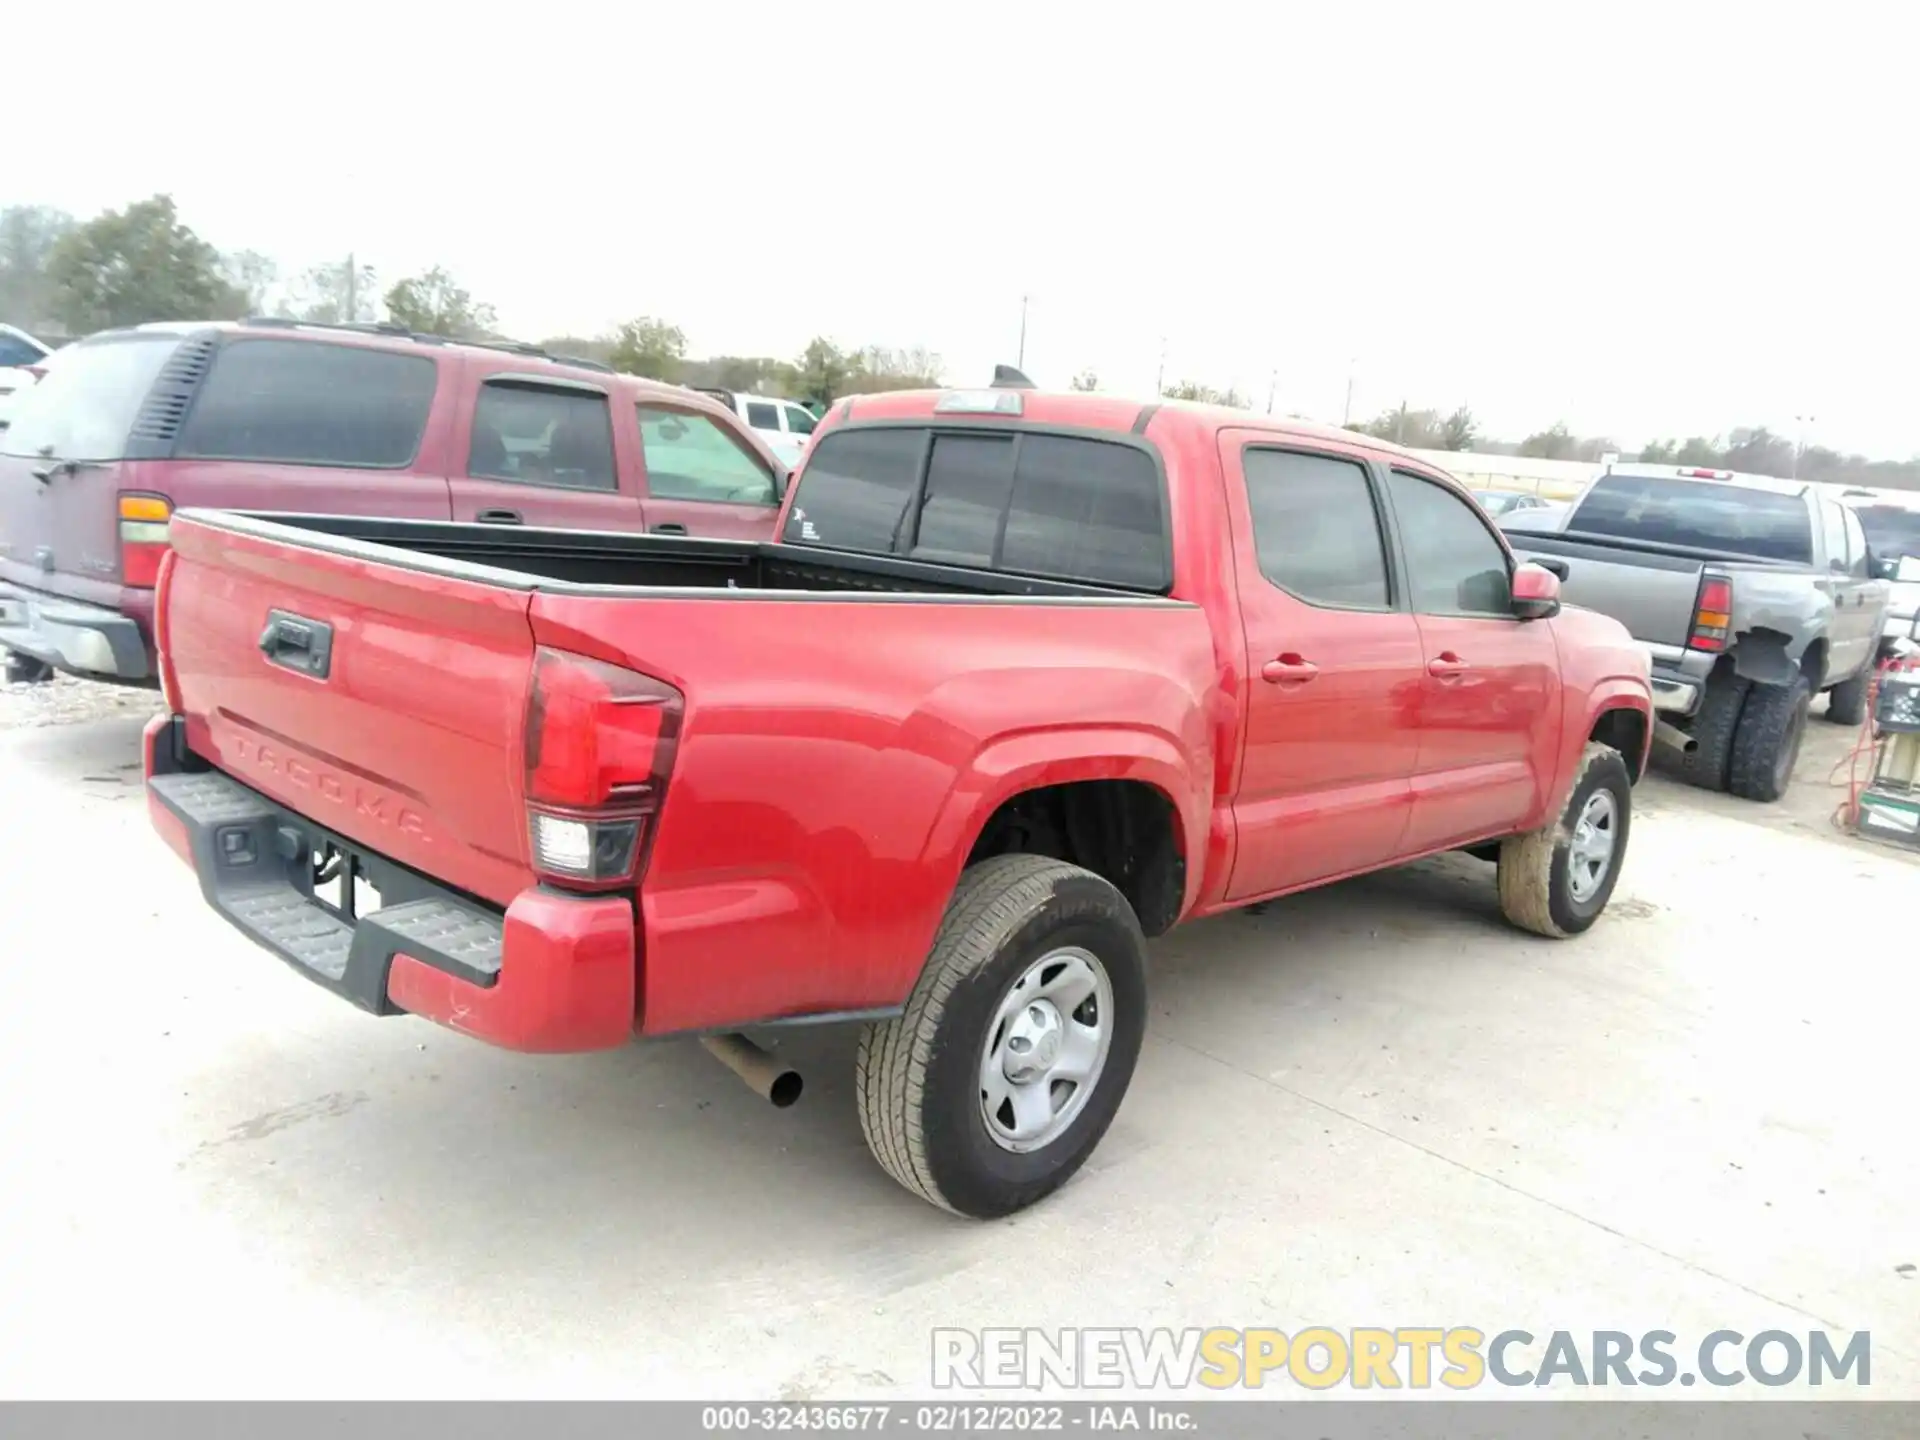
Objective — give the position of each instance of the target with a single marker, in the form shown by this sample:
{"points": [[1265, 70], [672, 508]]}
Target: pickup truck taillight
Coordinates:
{"points": [[1712, 613], [143, 537], [600, 747]]}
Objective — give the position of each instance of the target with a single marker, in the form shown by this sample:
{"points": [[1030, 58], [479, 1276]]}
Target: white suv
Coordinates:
{"points": [[19, 354]]}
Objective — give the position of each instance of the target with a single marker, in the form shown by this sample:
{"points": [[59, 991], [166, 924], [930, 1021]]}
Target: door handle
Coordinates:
{"points": [[498, 517], [670, 528], [1288, 669], [1447, 666]]}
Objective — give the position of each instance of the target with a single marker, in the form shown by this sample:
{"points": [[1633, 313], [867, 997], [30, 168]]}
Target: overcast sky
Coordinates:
{"points": [[1647, 221]]}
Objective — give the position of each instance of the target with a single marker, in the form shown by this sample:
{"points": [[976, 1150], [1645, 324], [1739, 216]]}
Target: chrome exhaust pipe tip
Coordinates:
{"points": [[759, 1071]]}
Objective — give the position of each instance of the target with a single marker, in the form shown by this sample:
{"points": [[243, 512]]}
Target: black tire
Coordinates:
{"points": [[1847, 701], [1708, 763], [1536, 870], [26, 670], [919, 1074], [1766, 743]]}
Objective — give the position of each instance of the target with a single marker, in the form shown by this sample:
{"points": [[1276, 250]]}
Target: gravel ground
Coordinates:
{"points": [[66, 701]]}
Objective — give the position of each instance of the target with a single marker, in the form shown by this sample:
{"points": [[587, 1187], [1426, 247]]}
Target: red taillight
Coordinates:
{"points": [[143, 537], [1712, 613], [600, 746]]}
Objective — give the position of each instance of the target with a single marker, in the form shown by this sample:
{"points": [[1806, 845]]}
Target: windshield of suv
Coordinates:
{"points": [[84, 407], [1698, 514], [1891, 530]]}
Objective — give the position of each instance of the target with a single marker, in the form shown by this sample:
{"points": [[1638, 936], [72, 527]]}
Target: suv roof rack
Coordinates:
{"points": [[401, 332]]}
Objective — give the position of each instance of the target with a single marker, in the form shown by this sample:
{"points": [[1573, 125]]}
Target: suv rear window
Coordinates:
{"points": [[1702, 514], [85, 406], [309, 402], [1055, 506]]}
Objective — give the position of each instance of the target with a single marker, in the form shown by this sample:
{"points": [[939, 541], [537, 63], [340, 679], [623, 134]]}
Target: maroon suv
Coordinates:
{"points": [[130, 425]]}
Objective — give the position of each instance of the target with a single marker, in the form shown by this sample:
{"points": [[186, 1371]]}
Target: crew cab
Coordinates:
{"points": [[130, 425], [1025, 680], [1752, 595]]}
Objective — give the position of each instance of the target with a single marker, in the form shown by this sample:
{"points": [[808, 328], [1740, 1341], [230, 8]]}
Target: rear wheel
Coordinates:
{"points": [[1556, 880], [26, 670], [1766, 743], [1017, 1044], [1708, 763], [1847, 701]]}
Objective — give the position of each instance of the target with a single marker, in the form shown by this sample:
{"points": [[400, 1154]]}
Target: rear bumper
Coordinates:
{"points": [[74, 636], [553, 973]]}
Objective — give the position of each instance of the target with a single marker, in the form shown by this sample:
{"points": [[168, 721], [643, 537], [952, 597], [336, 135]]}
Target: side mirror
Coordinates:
{"points": [[1551, 565], [1536, 592]]}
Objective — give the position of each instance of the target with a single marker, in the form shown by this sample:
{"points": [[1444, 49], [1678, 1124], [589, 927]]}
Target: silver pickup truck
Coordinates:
{"points": [[1751, 594]]}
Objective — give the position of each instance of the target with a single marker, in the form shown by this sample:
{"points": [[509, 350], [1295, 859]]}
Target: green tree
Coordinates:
{"points": [[255, 276], [28, 237], [1458, 431], [823, 371], [344, 294], [1206, 394], [1658, 452], [1086, 380], [1556, 442], [432, 304], [126, 267], [649, 347], [1699, 450], [1758, 451], [877, 368]]}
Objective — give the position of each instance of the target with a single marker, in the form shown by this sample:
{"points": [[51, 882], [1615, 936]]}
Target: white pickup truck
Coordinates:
{"points": [[783, 424]]}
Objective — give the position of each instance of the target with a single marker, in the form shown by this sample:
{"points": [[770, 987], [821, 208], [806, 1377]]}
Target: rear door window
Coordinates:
{"points": [[1698, 514], [1833, 531], [84, 407], [309, 402], [1315, 528], [534, 434], [1856, 545], [1053, 506], [799, 422], [690, 457]]}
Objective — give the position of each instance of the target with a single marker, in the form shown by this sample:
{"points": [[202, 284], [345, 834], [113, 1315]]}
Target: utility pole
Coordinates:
{"points": [[1800, 442], [1160, 379], [352, 297], [1273, 381], [1021, 362], [1346, 410]]}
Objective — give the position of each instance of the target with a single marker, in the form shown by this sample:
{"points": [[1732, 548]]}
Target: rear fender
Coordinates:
{"points": [[1762, 656], [1029, 760]]}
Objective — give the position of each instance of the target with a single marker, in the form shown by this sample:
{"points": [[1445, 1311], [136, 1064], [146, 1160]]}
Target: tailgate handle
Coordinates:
{"points": [[296, 643]]}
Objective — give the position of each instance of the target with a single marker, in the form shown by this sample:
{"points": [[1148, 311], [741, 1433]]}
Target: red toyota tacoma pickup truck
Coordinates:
{"points": [[1024, 680]]}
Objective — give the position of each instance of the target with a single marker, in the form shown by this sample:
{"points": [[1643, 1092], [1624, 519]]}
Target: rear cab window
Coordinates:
{"points": [[1026, 502], [85, 407], [310, 402], [1697, 514], [762, 415]]}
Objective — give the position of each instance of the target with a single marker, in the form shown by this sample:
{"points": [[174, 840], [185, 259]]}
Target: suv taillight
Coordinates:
{"points": [[143, 537], [1712, 613], [600, 747]]}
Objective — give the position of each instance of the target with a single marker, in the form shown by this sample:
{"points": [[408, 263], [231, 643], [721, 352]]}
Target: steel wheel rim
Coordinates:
{"points": [[1045, 1049], [1590, 851]]}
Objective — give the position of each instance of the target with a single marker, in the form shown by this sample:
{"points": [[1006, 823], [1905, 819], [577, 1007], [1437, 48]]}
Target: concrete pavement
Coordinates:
{"points": [[1371, 1105]]}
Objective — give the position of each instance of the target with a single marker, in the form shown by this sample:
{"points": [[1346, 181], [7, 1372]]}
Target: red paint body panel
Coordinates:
{"points": [[840, 753]]}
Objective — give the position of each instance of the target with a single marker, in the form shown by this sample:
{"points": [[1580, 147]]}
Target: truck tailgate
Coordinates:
{"points": [[1653, 595], [407, 738]]}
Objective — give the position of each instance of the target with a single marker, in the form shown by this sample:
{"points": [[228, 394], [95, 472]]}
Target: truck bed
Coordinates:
{"points": [[841, 715]]}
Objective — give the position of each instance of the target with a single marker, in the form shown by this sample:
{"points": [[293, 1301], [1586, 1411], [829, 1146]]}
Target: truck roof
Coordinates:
{"points": [[1735, 478], [1092, 410]]}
